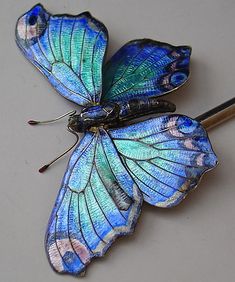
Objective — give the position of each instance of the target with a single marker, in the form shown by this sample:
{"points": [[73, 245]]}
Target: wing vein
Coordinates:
{"points": [[71, 36], [49, 39], [126, 67], [44, 55], [166, 170], [139, 165], [92, 64], [132, 172], [60, 38], [89, 214], [68, 224], [110, 165], [100, 205], [80, 66], [79, 218]]}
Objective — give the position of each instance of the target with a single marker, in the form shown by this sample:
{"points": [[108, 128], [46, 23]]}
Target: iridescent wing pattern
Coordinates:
{"points": [[145, 68], [98, 201], [166, 156], [68, 50]]}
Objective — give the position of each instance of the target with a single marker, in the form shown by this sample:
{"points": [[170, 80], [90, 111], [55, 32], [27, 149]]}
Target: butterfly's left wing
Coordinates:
{"points": [[145, 68], [98, 201], [68, 50], [166, 156]]}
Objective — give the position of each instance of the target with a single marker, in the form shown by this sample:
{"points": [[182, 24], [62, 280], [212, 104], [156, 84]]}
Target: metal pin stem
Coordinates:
{"points": [[218, 114]]}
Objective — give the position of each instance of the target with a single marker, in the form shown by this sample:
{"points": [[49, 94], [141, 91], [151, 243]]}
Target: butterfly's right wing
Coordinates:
{"points": [[98, 201]]}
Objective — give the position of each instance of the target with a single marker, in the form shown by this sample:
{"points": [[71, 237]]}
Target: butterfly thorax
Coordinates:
{"points": [[115, 114], [94, 116]]}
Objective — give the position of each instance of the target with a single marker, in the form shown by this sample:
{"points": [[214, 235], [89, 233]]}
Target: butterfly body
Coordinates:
{"points": [[116, 166], [112, 115]]}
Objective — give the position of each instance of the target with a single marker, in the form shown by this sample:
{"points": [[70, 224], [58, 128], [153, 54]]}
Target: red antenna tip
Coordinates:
{"points": [[32, 122], [43, 168]]}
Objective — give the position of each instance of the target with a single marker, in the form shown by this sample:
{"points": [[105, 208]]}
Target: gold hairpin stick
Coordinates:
{"points": [[218, 114]]}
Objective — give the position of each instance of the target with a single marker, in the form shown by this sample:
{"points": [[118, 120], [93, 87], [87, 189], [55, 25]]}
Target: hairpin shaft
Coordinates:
{"points": [[218, 114]]}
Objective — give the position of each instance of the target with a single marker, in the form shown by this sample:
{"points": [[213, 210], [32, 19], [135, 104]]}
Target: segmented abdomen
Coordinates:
{"points": [[139, 107]]}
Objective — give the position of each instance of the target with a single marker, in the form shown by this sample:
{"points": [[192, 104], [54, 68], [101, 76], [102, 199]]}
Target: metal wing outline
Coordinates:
{"points": [[145, 68], [166, 156], [68, 50], [98, 201]]}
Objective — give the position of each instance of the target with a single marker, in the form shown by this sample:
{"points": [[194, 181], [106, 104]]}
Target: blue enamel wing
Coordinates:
{"points": [[116, 165]]}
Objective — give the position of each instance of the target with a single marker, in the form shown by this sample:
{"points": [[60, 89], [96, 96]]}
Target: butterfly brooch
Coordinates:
{"points": [[119, 162]]}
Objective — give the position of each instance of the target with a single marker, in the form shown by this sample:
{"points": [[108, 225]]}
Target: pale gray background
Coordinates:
{"points": [[194, 242]]}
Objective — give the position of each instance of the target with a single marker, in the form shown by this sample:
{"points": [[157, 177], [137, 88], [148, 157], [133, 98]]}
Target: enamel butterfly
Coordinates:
{"points": [[117, 165]]}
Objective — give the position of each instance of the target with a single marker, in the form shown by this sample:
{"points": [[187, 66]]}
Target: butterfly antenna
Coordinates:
{"points": [[35, 122], [45, 167]]}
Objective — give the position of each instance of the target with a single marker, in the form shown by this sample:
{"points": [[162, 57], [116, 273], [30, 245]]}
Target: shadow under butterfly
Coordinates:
{"points": [[115, 166]]}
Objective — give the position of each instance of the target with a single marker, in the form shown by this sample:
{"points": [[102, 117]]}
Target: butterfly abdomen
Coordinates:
{"points": [[139, 107]]}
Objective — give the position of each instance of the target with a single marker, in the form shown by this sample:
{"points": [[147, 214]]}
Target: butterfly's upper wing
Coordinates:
{"points": [[166, 156], [145, 68], [98, 201], [68, 50]]}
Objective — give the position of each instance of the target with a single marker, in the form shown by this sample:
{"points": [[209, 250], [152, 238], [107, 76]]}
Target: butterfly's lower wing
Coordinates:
{"points": [[68, 50], [166, 156], [145, 68], [98, 201]]}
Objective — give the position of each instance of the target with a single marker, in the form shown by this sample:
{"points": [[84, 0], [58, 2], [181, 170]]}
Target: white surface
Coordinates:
{"points": [[194, 242]]}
